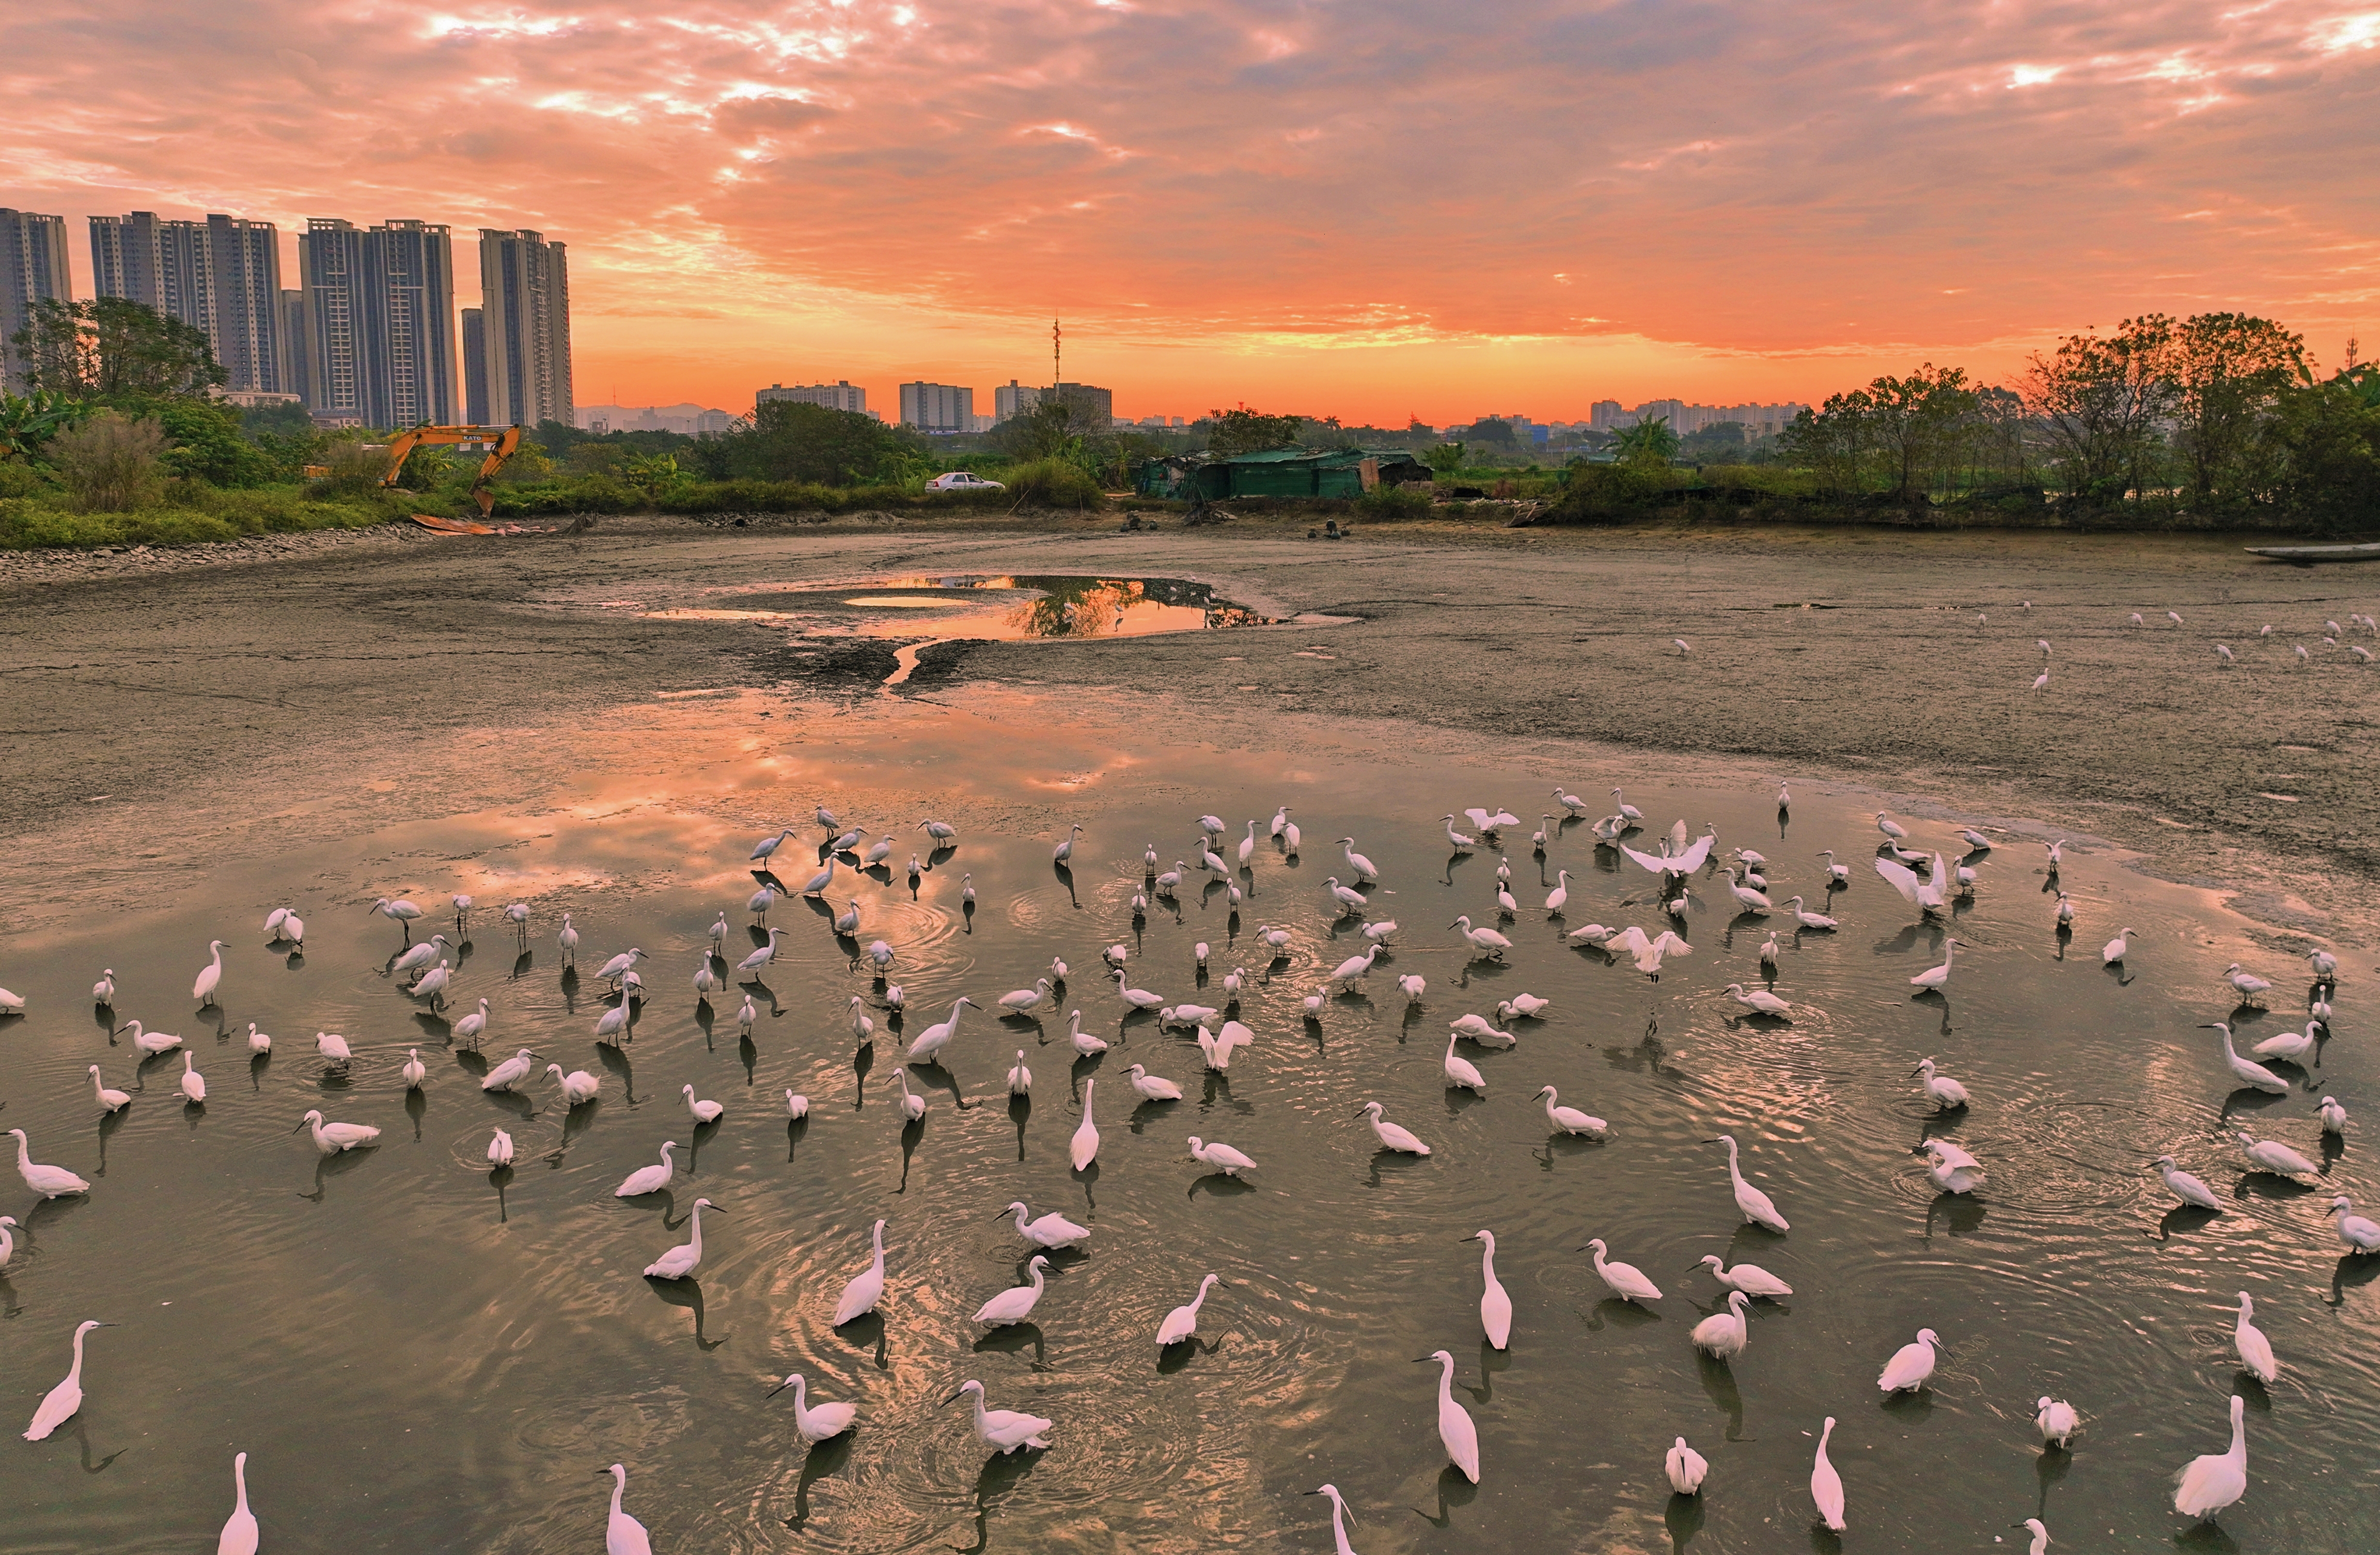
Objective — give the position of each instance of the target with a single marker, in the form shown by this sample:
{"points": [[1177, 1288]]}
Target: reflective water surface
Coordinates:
{"points": [[421, 1355], [995, 608]]}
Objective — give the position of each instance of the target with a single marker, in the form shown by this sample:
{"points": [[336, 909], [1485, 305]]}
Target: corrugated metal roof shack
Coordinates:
{"points": [[1279, 472]]}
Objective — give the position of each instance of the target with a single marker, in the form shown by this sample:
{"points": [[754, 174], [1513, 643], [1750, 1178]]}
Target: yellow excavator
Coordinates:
{"points": [[501, 444]]}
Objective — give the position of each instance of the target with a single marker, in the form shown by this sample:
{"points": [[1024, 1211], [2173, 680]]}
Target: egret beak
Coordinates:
{"points": [[1710, 1141], [779, 1389], [301, 1123], [955, 1397]]}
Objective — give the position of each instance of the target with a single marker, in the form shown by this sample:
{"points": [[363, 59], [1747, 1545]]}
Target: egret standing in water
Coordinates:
{"points": [[1825, 1485], [1495, 1302], [1016, 1304], [1755, 1207], [110, 1099], [1749, 1278], [194, 1085], [1052, 1231], [2056, 1420], [680, 1262], [2255, 1350], [210, 976], [510, 1073], [239, 1533], [1181, 1323], [2356, 1233], [334, 1138], [1004, 1431], [1391, 1136], [1685, 1468], [1624, 1280], [623, 1535], [1946, 1093], [1570, 1119], [866, 1287], [1084, 1149], [1456, 1431], [2246, 1070], [822, 1424], [65, 1397], [649, 1179], [1910, 1364], [2187, 1188], [50, 1181], [2209, 1483], [1723, 1335]]}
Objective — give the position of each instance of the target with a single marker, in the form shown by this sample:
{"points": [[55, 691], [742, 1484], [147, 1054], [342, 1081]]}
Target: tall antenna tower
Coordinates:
{"points": [[1057, 373]]}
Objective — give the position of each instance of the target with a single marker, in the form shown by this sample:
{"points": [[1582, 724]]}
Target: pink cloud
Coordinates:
{"points": [[1370, 209]]}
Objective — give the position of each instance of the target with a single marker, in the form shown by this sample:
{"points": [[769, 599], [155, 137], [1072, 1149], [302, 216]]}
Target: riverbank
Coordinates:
{"points": [[302, 678]]}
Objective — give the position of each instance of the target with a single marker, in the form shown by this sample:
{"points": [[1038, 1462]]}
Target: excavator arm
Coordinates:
{"points": [[503, 443]]}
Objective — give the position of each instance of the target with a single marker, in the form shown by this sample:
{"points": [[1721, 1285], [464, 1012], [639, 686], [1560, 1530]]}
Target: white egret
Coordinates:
{"points": [[2065, 911], [1181, 1323], [2056, 1420], [1559, 896], [239, 1530], [1057, 971], [1940, 1089], [622, 964], [680, 1262], [1016, 1304], [1759, 1001], [930, 1042], [1685, 1468], [1218, 1156], [1084, 1044], [1951, 1169], [623, 1535], [768, 846], [1755, 1206], [1412, 985], [334, 1138], [433, 985], [1004, 1430], [473, 1026], [866, 1287], [1480, 1029], [761, 901], [399, 910], [2247, 1070], [1052, 1231], [616, 1023], [511, 1072], [1768, 953], [880, 850], [1391, 1135], [1456, 1431], [578, 1087], [762, 954], [817, 884], [151, 1043], [718, 932], [701, 1110], [1456, 840], [2255, 1350], [2293, 1046], [1837, 874], [1931, 894], [110, 1100], [1340, 1518], [65, 1399], [1626, 1280], [1571, 802], [1679, 864], [334, 1049], [1186, 1015], [1570, 1119], [1138, 998], [420, 956], [1910, 1364], [1746, 899], [2356, 1233], [1350, 972], [50, 1181], [194, 1085], [1084, 1147], [1934, 979], [2324, 964], [2270, 1155], [1810, 920], [797, 1106], [2185, 1187], [1654, 952], [1484, 943], [2334, 1117], [1149, 1087], [2115, 950], [912, 1104], [1890, 827], [1825, 1485], [7, 1240], [1461, 1072], [2209, 1483], [1528, 1007], [567, 938], [1169, 882], [1350, 900], [2056, 850], [210, 976], [649, 1179], [1495, 1302], [1024, 999], [1594, 934], [1749, 1278], [103, 992], [1020, 1079], [823, 1423], [1723, 1334], [500, 1150], [1629, 811]]}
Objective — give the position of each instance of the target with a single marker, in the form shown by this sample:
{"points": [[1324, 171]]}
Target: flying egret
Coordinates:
{"points": [[2269, 1155], [2212, 1481], [1020, 1079], [701, 1110], [210, 976], [1825, 1485], [866, 1287], [1016, 1304], [1749, 1278], [578, 1087], [151, 1043], [2255, 1351], [1626, 1280], [1004, 1430], [2113, 952], [334, 1138], [1940, 1089], [500, 1150], [1391, 1136], [1929, 896], [473, 1026], [1723, 1335], [65, 1399], [680, 1262], [2056, 1420], [623, 1535], [2356, 1233], [1215, 1156], [930, 1042], [912, 1104], [50, 1181], [2334, 1117], [1084, 1149], [1951, 1169], [110, 1100], [1570, 1119], [1934, 979], [1759, 1001], [1149, 1087], [1052, 1231], [2247, 1070], [1456, 1431], [1685, 1468], [1461, 1072], [511, 1072], [649, 1179]]}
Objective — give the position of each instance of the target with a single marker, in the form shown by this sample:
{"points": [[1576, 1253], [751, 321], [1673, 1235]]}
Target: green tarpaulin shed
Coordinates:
{"points": [[1278, 472]]}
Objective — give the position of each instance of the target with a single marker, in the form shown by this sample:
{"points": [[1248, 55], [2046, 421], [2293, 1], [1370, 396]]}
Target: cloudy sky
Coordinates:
{"points": [[1373, 210]]}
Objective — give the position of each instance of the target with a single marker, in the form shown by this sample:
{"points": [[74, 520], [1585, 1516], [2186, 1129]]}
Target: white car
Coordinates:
{"points": [[962, 480]]}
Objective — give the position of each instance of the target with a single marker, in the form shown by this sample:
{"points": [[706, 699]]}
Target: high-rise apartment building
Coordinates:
{"points": [[330, 275], [32, 269], [380, 322], [475, 367], [841, 394], [295, 368], [1092, 404], [938, 408], [1013, 400], [222, 275], [525, 328]]}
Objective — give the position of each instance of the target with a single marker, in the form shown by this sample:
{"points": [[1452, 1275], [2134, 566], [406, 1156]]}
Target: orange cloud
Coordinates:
{"points": [[1369, 210]]}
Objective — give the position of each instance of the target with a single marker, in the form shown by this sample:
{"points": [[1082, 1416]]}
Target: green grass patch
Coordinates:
{"points": [[189, 513]]}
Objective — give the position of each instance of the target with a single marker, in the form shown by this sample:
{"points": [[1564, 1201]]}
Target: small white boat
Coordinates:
{"points": [[2316, 552]]}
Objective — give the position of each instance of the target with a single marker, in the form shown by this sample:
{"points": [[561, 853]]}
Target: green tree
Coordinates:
{"points": [[817, 445], [1831, 442], [1494, 429], [2100, 401], [1243, 431], [111, 346], [2326, 440], [1051, 429], [1918, 427], [2227, 372], [1444, 459], [26, 424], [1646, 445]]}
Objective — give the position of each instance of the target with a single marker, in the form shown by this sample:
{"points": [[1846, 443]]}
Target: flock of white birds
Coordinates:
{"points": [[1680, 864]]}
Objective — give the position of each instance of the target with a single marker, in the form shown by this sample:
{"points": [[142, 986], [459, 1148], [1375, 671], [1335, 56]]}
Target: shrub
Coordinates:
{"points": [[1055, 483], [111, 463], [355, 470], [1391, 501]]}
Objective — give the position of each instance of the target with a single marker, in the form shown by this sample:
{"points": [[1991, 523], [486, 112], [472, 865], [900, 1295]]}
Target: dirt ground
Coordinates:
{"points": [[264, 684]]}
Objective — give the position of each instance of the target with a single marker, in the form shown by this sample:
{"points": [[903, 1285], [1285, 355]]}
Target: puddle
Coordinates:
{"points": [[986, 607]]}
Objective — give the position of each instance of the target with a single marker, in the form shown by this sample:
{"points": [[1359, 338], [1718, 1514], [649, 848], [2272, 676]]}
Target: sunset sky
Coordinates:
{"points": [[1366, 210]]}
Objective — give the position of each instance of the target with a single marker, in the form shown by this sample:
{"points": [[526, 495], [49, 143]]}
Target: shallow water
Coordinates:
{"points": [[419, 1356], [995, 608]]}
